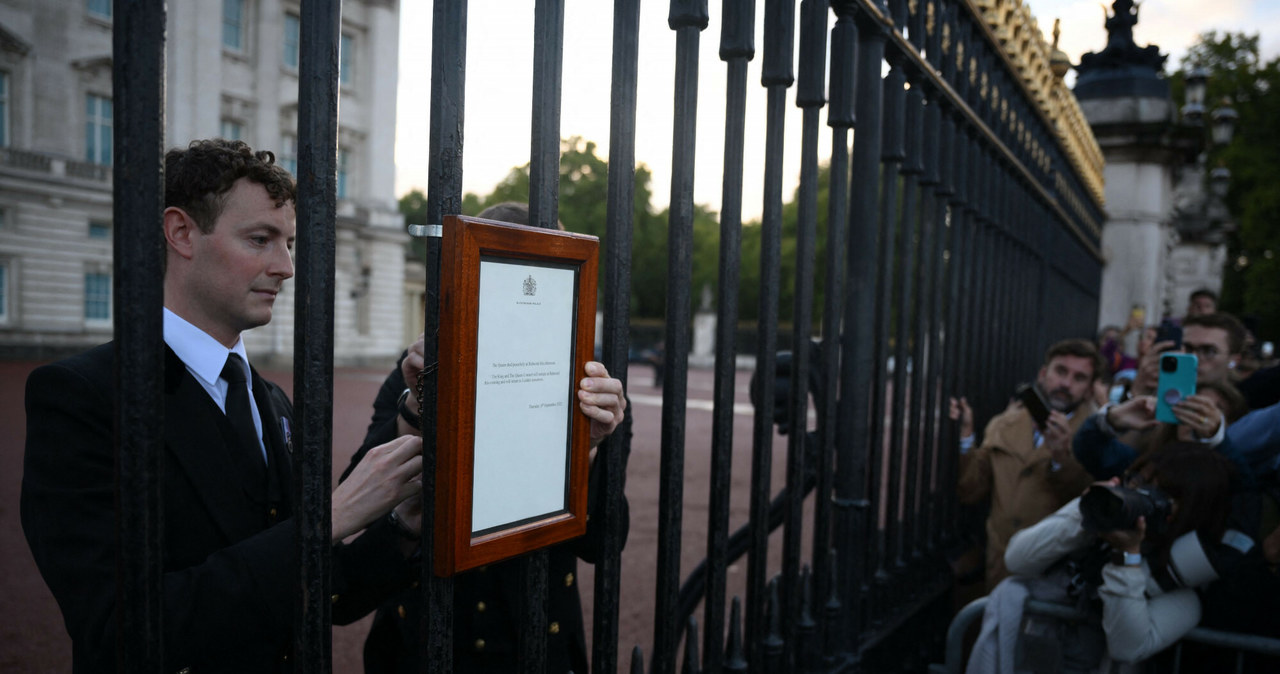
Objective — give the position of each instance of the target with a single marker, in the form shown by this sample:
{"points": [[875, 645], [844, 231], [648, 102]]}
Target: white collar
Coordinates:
{"points": [[203, 355]]}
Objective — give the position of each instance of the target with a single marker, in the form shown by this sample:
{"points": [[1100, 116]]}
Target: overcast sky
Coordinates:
{"points": [[499, 83]]}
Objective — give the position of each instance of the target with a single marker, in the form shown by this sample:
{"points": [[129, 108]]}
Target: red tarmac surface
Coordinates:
{"points": [[33, 639]]}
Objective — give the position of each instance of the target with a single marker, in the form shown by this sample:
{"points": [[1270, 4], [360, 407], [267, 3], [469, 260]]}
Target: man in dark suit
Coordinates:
{"points": [[230, 582]]}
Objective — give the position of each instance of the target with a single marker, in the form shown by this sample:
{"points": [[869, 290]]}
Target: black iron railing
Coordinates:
{"points": [[959, 241]]}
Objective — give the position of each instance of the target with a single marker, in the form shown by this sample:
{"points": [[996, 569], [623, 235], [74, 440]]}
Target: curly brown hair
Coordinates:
{"points": [[198, 177]]}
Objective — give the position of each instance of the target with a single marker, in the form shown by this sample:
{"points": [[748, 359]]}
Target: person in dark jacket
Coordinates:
{"points": [[486, 601], [229, 574]]}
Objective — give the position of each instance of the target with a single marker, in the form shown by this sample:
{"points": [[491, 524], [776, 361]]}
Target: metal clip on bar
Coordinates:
{"points": [[424, 231]]}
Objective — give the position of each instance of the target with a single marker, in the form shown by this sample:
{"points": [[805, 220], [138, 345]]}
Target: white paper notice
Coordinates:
{"points": [[524, 392]]}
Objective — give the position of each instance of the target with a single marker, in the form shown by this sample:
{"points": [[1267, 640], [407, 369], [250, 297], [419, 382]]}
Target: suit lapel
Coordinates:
{"points": [[196, 441], [275, 423]]}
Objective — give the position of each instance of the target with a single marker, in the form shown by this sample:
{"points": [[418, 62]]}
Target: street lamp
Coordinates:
{"points": [[1199, 212], [1220, 181], [1223, 124], [1197, 86]]}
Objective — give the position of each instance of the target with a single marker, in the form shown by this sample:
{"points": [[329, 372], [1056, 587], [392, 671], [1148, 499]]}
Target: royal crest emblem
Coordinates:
{"points": [[530, 286]]}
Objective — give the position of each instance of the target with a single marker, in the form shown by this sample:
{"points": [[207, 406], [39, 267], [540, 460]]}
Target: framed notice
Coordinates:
{"points": [[517, 324]]}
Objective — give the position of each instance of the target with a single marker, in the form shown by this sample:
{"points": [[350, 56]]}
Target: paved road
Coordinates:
{"points": [[33, 639]]}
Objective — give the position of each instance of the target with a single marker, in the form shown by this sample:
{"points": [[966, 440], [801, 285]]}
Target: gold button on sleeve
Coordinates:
{"points": [[554, 628], [568, 580], [479, 644], [480, 607], [333, 599], [400, 610]]}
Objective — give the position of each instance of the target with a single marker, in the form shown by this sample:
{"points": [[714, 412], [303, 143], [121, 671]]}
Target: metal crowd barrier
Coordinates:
{"points": [[955, 664]]}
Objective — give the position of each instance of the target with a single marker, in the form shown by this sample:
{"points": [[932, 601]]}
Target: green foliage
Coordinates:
{"points": [[582, 208], [1252, 87], [584, 190]]}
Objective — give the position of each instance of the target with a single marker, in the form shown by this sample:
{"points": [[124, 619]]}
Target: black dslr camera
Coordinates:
{"points": [[1106, 508]]}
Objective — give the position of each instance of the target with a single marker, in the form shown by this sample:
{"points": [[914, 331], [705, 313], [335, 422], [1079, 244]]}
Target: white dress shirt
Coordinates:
{"points": [[205, 357]]}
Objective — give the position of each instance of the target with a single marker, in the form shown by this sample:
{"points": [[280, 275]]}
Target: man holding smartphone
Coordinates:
{"points": [[1216, 340], [1024, 463]]}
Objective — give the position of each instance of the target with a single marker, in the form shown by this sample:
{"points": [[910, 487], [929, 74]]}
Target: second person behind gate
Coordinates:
{"points": [[486, 601]]}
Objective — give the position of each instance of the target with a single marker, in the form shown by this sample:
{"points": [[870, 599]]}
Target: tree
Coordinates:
{"points": [[1237, 74], [583, 200]]}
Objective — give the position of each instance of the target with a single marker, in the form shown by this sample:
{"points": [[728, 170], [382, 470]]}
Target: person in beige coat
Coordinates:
{"points": [[1027, 471]]}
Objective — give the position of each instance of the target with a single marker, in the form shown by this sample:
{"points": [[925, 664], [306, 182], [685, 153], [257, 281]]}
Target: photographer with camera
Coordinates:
{"points": [[1143, 548]]}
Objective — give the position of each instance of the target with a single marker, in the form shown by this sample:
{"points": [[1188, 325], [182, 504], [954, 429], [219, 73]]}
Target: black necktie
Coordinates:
{"points": [[241, 418]]}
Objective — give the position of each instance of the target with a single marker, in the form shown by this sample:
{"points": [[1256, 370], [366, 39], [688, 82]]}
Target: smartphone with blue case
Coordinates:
{"points": [[1177, 381]]}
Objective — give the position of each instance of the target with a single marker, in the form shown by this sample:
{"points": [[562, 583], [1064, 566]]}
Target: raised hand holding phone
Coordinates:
{"points": [[1177, 382], [1031, 398]]}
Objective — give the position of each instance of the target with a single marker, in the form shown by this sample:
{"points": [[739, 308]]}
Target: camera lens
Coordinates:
{"points": [[1169, 365]]}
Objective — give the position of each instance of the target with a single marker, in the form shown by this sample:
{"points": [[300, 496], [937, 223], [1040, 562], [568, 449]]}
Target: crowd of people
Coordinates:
{"points": [[1157, 510], [1138, 484]]}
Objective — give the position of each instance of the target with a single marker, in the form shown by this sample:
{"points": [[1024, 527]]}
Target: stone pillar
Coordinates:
{"points": [[1126, 100], [1135, 238]]}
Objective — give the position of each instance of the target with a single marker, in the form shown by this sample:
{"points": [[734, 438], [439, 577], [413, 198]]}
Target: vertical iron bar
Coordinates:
{"points": [[313, 328], [620, 219], [1005, 342], [688, 18], [436, 649], [544, 151], [1043, 238], [1004, 314], [957, 334], [810, 98], [771, 648], [908, 302], [984, 300], [777, 75], [841, 119], [1030, 236], [895, 444], [940, 336], [858, 339], [138, 91], [808, 656], [532, 639], [735, 660], [737, 46], [444, 196], [941, 361], [977, 305], [986, 197], [945, 333], [925, 376], [893, 152], [972, 303], [544, 194]]}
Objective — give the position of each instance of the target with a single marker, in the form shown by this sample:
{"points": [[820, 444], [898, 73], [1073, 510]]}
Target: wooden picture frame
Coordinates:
{"points": [[517, 327]]}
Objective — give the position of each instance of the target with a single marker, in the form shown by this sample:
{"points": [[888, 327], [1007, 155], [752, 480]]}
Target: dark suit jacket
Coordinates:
{"points": [[485, 600], [230, 580]]}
